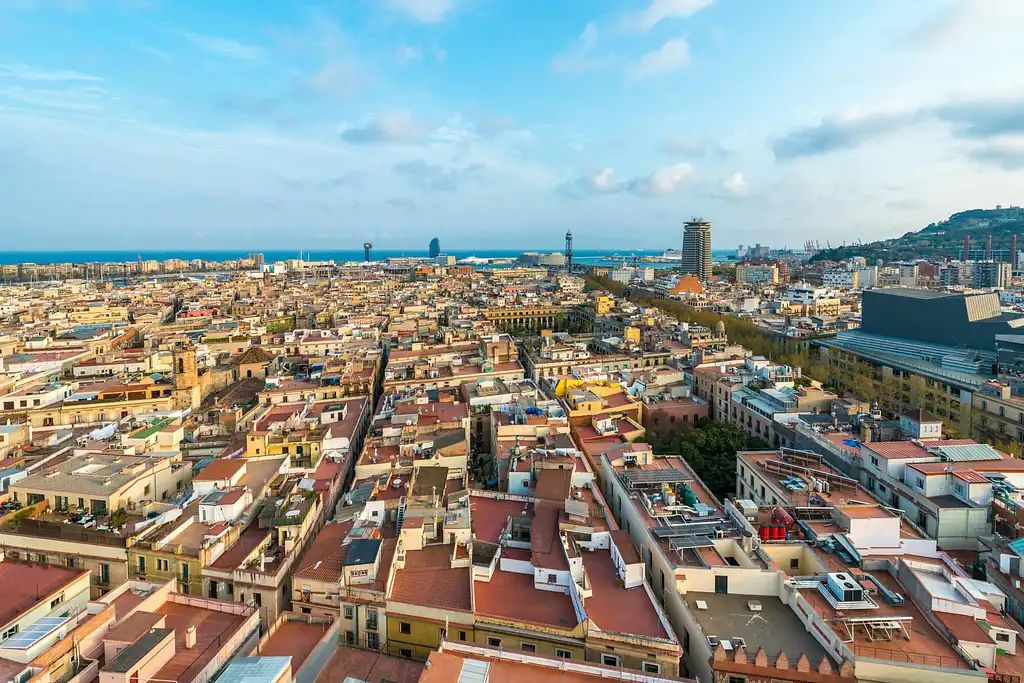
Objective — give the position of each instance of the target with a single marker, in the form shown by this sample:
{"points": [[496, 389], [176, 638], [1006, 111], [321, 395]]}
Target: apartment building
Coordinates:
{"points": [[443, 367]]}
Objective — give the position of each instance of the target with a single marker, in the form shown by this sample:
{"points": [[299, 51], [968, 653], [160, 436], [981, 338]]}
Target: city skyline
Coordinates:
{"points": [[146, 125]]}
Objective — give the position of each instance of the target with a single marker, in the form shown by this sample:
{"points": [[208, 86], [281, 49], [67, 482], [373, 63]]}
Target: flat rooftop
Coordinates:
{"points": [[775, 628], [369, 666], [25, 584], [490, 515], [614, 608], [512, 596], [428, 579], [213, 628], [296, 639]]}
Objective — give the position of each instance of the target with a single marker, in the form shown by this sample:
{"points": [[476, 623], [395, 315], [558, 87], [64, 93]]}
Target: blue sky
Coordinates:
{"points": [[161, 124]]}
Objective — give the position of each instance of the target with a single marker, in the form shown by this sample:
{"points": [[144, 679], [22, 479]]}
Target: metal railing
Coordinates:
{"points": [[922, 658]]}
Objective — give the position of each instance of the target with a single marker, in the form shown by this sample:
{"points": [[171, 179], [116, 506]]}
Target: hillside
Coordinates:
{"points": [[940, 240]]}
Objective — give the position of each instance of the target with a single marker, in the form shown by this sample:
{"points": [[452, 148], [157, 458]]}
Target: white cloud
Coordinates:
{"points": [[659, 183], [409, 53], [672, 56], [219, 45], [425, 11], [394, 127], [659, 10], [662, 182], [604, 181], [581, 57], [31, 73], [735, 186], [678, 145], [86, 98]]}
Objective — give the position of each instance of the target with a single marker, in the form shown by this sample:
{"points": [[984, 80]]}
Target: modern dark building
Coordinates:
{"points": [[696, 257], [435, 248], [971, 321]]}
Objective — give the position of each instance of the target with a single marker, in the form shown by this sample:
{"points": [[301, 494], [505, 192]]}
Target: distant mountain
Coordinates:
{"points": [[941, 240]]}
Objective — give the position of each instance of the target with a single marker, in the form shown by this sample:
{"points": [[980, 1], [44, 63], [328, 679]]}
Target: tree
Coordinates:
{"points": [[710, 447], [862, 385], [917, 392]]}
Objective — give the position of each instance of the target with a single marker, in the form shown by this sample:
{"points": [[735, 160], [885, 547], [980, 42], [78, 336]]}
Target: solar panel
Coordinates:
{"points": [[1018, 546], [665, 476], [36, 632]]}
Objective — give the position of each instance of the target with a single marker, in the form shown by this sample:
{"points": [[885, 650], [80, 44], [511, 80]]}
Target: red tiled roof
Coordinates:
{"points": [[26, 583], [512, 596], [322, 562], [219, 469], [613, 608], [429, 580], [490, 515]]}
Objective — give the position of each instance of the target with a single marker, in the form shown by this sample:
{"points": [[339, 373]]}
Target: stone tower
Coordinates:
{"points": [[187, 393]]}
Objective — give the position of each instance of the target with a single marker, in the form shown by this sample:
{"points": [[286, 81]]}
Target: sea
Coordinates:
{"points": [[583, 256]]}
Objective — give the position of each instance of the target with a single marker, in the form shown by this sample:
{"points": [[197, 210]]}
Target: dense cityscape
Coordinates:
{"points": [[497, 341], [771, 466]]}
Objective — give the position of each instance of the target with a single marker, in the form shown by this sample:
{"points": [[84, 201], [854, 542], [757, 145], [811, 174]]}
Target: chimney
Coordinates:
{"points": [[190, 637], [988, 248]]}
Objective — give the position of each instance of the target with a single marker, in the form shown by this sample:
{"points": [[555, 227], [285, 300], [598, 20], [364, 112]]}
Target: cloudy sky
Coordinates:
{"points": [[162, 124]]}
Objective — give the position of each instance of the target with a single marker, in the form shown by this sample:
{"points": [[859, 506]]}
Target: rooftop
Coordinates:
{"points": [[369, 666], [614, 608], [428, 579], [513, 597], [775, 627], [213, 628], [295, 638], [26, 584]]}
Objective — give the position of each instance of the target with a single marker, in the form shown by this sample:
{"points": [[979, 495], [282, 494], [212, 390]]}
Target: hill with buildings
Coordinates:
{"points": [[942, 239]]}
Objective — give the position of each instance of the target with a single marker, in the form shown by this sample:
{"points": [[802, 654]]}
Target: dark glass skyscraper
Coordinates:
{"points": [[435, 248]]}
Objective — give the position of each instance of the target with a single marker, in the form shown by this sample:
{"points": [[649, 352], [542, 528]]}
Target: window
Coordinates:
{"points": [[494, 642], [563, 654], [350, 638], [56, 601], [529, 647], [404, 627], [348, 612], [462, 636], [442, 633], [960, 489], [874, 461], [373, 641], [609, 660], [920, 483], [405, 652], [650, 667], [737, 679], [984, 405], [9, 632], [552, 578], [794, 563]]}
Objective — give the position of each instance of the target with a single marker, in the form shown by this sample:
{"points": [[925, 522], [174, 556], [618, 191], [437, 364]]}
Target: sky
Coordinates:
{"points": [[283, 124]]}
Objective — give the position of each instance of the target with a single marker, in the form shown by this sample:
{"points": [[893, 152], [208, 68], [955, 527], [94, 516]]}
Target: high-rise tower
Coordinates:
{"points": [[367, 248], [435, 248], [568, 251], [696, 258]]}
